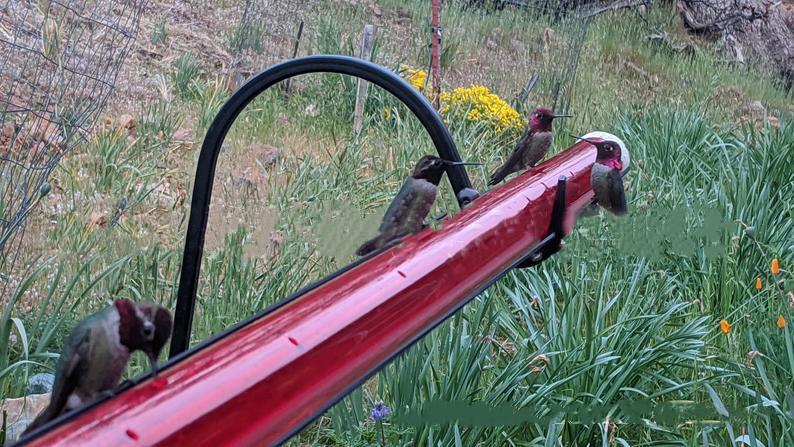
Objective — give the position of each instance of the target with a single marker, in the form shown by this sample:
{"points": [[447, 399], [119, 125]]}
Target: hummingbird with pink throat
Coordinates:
{"points": [[605, 176], [95, 355], [532, 147]]}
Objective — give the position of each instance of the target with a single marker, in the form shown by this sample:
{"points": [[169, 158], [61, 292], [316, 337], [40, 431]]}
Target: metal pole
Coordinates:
{"points": [[436, 63]]}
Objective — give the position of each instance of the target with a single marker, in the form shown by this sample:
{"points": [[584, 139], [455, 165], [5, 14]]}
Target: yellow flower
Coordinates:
{"points": [[725, 327], [758, 284], [775, 267], [781, 322], [414, 76], [482, 106]]}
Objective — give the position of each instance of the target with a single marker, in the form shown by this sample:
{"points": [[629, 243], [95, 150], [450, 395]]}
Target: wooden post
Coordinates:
{"points": [[361, 93], [286, 85]]}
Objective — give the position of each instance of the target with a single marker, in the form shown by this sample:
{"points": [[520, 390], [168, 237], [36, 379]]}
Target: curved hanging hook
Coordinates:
{"points": [[210, 149]]}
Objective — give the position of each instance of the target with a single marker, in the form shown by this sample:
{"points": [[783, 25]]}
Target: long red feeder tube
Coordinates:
{"points": [[266, 380]]}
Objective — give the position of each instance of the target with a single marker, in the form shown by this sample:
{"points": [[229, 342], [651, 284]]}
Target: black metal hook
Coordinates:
{"points": [[552, 243], [210, 149]]}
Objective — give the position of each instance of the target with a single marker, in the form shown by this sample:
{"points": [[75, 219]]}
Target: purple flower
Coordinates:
{"points": [[380, 411]]}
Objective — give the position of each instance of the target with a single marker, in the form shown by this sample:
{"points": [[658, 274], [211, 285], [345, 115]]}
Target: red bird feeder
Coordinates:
{"points": [[262, 381]]}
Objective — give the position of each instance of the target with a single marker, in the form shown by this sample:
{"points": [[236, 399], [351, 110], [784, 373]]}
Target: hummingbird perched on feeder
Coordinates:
{"points": [[410, 207], [605, 177], [532, 147], [96, 353]]}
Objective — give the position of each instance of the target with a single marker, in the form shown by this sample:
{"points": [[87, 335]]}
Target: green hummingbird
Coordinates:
{"points": [[532, 147], [409, 208], [97, 351], [605, 177]]}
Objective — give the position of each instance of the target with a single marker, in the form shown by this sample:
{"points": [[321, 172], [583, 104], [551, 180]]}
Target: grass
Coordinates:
{"points": [[614, 324], [160, 32], [185, 71]]}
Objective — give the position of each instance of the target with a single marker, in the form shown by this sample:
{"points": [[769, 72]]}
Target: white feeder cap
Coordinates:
{"points": [[624, 151]]}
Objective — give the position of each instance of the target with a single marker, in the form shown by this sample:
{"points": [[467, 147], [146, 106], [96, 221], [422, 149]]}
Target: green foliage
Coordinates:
{"points": [[185, 70], [159, 33], [248, 36]]}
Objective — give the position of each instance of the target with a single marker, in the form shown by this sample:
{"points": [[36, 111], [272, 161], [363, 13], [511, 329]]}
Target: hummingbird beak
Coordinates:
{"points": [[561, 116], [583, 139], [461, 163]]}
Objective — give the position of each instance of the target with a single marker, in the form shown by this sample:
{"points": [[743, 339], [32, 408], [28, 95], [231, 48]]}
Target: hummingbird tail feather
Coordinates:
{"points": [[499, 175], [369, 246]]}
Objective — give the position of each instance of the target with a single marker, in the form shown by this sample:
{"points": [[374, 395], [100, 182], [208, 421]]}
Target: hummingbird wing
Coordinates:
{"points": [[512, 163], [401, 201], [537, 147], [71, 366], [405, 215], [617, 194]]}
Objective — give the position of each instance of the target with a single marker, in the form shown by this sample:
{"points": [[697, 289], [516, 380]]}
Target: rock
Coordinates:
{"points": [[182, 135], [757, 107], [21, 412], [404, 13], [312, 110], [40, 383], [7, 133], [272, 157], [497, 33], [755, 32], [518, 46], [251, 177], [266, 154], [126, 121], [97, 219]]}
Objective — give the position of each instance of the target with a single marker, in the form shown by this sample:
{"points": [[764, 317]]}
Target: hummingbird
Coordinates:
{"points": [[410, 207], [605, 176], [532, 147], [96, 353]]}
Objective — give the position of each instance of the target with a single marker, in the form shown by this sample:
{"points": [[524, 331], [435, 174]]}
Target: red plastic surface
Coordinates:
{"points": [[258, 384]]}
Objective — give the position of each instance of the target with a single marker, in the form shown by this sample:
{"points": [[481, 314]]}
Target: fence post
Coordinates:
{"points": [[361, 93], [288, 83]]}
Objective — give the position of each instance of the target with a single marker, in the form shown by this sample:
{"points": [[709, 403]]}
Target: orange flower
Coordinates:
{"points": [[781, 322], [725, 327], [775, 267], [758, 284]]}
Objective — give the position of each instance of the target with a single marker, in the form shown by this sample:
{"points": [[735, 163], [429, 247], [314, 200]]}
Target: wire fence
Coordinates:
{"points": [[547, 58], [267, 32], [531, 55], [58, 64]]}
